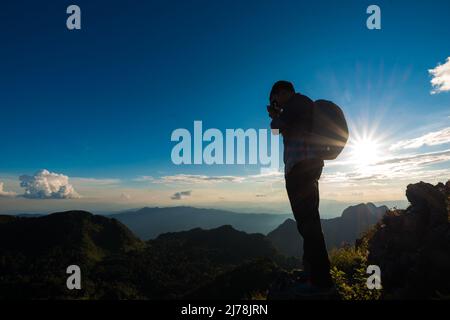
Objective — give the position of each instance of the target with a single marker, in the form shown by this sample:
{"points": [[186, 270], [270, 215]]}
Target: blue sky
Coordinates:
{"points": [[98, 105]]}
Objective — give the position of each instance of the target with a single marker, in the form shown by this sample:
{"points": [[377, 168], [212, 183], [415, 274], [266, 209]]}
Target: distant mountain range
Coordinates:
{"points": [[148, 223], [344, 229]]}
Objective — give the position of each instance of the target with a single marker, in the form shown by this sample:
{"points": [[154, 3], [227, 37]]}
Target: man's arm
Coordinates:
{"points": [[297, 113]]}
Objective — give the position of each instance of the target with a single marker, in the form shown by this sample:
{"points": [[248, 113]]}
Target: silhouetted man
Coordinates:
{"points": [[292, 114]]}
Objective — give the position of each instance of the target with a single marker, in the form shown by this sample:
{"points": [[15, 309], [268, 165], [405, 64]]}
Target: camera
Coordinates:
{"points": [[275, 106]]}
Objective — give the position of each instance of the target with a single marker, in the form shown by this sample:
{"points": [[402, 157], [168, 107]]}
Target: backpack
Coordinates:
{"points": [[329, 131]]}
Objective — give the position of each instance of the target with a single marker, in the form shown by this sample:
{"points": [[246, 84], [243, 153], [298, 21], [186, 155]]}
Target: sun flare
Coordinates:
{"points": [[365, 152]]}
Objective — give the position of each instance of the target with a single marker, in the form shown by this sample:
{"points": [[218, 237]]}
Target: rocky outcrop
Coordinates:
{"points": [[412, 246]]}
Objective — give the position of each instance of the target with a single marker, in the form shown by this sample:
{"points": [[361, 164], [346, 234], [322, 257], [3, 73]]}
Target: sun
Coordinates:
{"points": [[365, 151]]}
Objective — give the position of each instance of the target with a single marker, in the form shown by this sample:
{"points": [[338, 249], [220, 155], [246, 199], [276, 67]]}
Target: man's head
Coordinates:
{"points": [[281, 92]]}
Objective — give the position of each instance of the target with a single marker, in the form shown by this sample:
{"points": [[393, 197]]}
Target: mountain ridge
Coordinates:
{"points": [[337, 231], [149, 222], [35, 253]]}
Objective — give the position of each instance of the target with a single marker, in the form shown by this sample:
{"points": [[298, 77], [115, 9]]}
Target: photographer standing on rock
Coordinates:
{"points": [[292, 114]]}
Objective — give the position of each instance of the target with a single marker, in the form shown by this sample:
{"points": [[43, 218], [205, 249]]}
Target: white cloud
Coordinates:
{"points": [[265, 176], [193, 179], [47, 185], [144, 179], [95, 182], [419, 159], [181, 195], [440, 77], [409, 167], [429, 139], [4, 193]]}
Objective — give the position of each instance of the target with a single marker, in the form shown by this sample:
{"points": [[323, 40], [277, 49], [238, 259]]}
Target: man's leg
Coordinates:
{"points": [[303, 191]]}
